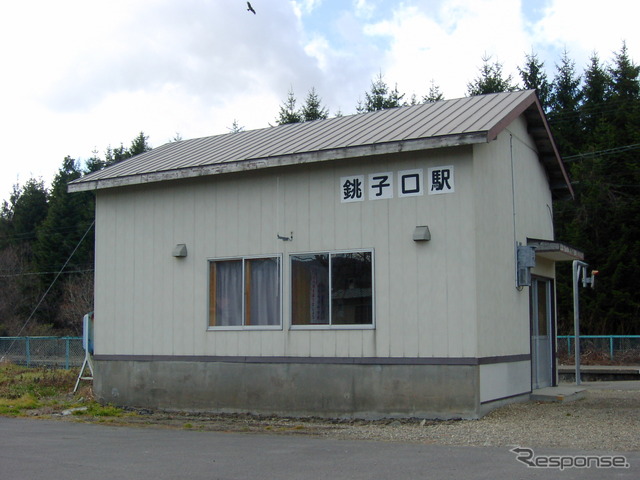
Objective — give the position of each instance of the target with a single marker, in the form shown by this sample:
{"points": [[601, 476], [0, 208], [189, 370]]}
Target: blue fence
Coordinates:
{"points": [[59, 352], [67, 352], [615, 347]]}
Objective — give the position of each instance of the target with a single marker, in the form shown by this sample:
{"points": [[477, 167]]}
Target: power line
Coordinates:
{"points": [[586, 109], [11, 275], [609, 151], [34, 233], [50, 287]]}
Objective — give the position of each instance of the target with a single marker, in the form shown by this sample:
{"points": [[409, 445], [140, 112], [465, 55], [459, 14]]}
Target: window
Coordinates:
{"points": [[244, 292], [332, 289]]}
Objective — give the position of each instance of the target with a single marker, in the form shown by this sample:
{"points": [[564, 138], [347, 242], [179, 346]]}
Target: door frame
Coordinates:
{"points": [[551, 326]]}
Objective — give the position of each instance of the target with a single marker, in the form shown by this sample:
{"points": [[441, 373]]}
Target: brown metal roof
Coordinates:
{"points": [[447, 123]]}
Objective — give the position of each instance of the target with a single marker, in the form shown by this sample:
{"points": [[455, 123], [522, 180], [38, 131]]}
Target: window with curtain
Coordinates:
{"points": [[332, 289], [244, 292]]}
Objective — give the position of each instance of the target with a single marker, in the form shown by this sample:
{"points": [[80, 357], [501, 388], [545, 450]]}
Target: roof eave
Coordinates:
{"points": [[283, 160], [555, 251], [530, 107]]}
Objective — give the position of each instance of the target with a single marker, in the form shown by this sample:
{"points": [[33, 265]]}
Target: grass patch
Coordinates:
{"points": [[44, 391], [97, 410], [39, 383], [14, 406]]}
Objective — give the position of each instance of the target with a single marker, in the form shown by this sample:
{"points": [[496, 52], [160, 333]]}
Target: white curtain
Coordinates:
{"points": [[264, 297], [229, 293]]}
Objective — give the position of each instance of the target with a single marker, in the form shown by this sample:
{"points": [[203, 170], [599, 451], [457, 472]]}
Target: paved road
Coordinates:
{"points": [[40, 449]]}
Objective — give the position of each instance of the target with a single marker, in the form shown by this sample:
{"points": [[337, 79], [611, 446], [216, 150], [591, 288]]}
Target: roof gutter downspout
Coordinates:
{"points": [[514, 212]]}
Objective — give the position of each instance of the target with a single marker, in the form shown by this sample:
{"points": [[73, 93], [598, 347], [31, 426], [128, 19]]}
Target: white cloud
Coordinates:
{"points": [[585, 26], [318, 48], [364, 9], [79, 76], [305, 6], [83, 75], [448, 44]]}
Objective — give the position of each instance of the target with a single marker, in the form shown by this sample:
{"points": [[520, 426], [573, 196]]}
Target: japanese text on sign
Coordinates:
{"points": [[380, 185], [352, 188], [410, 183], [407, 183], [441, 180]]}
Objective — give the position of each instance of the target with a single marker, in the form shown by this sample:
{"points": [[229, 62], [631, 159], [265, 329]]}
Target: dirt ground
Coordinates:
{"points": [[605, 419]]}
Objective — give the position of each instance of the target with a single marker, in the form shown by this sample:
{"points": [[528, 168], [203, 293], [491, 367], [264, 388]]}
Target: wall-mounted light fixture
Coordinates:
{"points": [[421, 234], [180, 250]]}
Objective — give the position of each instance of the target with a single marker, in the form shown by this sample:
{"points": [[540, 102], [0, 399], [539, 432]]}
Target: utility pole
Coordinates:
{"points": [[579, 270]]}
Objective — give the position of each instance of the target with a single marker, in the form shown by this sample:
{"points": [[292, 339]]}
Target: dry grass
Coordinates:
{"points": [[591, 355], [46, 392]]}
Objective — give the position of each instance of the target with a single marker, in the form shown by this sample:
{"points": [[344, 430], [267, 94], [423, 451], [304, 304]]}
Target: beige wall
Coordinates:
{"points": [[427, 295], [504, 170]]}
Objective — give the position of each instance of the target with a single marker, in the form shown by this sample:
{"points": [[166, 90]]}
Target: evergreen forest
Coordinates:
{"points": [[47, 235]]}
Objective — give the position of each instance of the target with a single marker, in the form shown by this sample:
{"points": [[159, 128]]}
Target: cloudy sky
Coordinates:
{"points": [[81, 75]]}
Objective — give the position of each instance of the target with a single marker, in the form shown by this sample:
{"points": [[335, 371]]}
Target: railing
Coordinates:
{"points": [[615, 348], [67, 352], [60, 352]]}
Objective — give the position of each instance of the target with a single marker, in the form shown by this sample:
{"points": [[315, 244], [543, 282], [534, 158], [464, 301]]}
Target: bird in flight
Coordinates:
{"points": [[250, 8]]}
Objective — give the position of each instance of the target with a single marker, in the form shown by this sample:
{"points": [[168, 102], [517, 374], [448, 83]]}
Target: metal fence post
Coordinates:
{"points": [[27, 351], [611, 347], [66, 353]]}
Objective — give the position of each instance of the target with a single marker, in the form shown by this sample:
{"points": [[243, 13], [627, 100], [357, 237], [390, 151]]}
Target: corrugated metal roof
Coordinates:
{"points": [[432, 125]]}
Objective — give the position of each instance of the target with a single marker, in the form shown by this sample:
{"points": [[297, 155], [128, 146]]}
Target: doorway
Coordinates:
{"points": [[542, 333]]}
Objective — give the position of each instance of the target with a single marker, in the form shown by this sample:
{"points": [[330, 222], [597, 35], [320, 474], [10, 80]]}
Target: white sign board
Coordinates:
{"points": [[441, 180]]}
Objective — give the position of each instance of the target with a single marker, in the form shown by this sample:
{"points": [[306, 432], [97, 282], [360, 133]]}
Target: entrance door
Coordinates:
{"points": [[542, 334]]}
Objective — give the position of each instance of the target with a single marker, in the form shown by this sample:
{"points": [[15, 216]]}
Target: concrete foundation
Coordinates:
{"points": [[293, 389]]}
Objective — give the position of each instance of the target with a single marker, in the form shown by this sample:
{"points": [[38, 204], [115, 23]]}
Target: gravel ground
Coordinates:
{"points": [[606, 419]]}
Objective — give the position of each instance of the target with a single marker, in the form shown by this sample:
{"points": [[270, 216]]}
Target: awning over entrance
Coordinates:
{"points": [[556, 251]]}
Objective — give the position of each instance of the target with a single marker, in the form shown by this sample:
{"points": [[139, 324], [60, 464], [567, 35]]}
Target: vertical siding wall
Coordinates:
{"points": [[512, 203], [150, 303]]}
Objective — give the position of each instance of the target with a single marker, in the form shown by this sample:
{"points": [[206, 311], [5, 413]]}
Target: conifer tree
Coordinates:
{"points": [[95, 163], [434, 95], [491, 79], [139, 145], [534, 77], [621, 170], [564, 106], [625, 98], [379, 97], [288, 111], [603, 219], [235, 127], [312, 108], [39, 230], [24, 213], [596, 94], [68, 218], [115, 155]]}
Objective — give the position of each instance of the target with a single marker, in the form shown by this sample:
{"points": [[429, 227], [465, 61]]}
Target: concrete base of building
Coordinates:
{"points": [[293, 389]]}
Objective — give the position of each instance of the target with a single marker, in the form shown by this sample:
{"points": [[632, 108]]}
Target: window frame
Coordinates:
{"points": [[243, 326], [330, 325]]}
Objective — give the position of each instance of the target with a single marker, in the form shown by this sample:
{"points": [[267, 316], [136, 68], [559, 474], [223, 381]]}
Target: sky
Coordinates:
{"points": [[79, 76]]}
